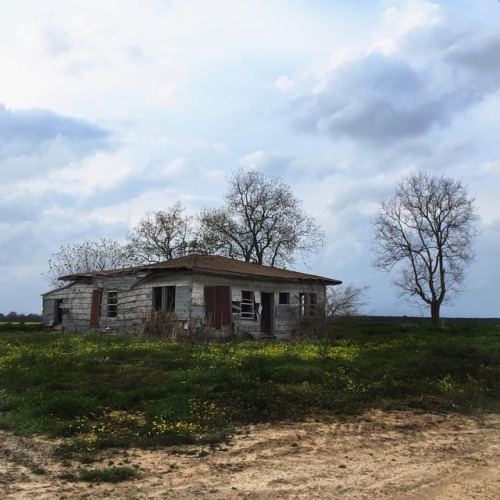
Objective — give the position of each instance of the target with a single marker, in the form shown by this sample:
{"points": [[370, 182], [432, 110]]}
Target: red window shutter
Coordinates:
{"points": [[95, 308], [218, 306]]}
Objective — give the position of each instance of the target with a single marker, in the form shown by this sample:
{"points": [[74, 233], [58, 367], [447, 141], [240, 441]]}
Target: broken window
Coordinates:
{"points": [[308, 304], [236, 308], [284, 309], [247, 304], [112, 304], [164, 298]]}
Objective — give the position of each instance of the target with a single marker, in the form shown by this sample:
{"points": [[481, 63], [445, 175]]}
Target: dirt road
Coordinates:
{"points": [[396, 455]]}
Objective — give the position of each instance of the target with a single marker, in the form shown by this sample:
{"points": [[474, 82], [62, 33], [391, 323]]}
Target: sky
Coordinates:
{"points": [[112, 108]]}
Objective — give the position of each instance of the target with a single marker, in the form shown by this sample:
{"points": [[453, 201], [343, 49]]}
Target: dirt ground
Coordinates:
{"points": [[397, 455]]}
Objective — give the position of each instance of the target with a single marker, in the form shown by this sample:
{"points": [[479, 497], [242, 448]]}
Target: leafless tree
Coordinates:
{"points": [[86, 257], [345, 300], [426, 234], [161, 235], [261, 221]]}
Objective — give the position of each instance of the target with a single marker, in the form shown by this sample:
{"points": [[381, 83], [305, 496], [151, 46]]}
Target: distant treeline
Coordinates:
{"points": [[422, 320], [14, 317]]}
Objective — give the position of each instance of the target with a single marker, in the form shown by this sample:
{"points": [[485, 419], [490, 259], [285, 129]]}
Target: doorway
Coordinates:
{"points": [[267, 315]]}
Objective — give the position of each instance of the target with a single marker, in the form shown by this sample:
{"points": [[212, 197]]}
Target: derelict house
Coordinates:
{"points": [[205, 296]]}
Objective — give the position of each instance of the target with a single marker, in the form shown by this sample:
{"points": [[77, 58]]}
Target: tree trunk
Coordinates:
{"points": [[435, 306]]}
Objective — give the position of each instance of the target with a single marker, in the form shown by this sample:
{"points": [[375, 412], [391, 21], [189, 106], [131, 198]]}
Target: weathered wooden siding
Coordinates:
{"points": [[135, 301], [283, 323], [48, 306], [76, 301]]}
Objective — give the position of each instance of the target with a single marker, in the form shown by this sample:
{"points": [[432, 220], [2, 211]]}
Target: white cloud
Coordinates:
{"points": [[402, 19], [385, 96], [266, 162], [285, 84]]}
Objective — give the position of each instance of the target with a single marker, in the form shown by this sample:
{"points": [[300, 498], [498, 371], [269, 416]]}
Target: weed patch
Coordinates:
{"points": [[25, 461], [108, 475]]}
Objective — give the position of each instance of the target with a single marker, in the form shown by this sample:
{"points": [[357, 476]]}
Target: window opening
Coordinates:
{"points": [[112, 304], [284, 298], [170, 298], [247, 304], [313, 303], [157, 297], [164, 298], [308, 304]]}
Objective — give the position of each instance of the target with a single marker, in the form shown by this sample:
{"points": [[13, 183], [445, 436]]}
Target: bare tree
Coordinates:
{"points": [[86, 257], [426, 233], [262, 222], [161, 235], [345, 300]]}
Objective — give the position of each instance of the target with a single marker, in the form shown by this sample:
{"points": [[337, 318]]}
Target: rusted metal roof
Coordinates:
{"points": [[212, 264]]}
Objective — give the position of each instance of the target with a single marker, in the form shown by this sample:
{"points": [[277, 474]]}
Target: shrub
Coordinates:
{"points": [[162, 324]]}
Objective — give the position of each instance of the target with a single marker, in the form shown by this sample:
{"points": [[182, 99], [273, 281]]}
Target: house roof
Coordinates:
{"points": [[211, 264]]}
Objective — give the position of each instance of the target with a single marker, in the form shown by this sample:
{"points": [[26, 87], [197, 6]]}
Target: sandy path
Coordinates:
{"points": [[400, 455]]}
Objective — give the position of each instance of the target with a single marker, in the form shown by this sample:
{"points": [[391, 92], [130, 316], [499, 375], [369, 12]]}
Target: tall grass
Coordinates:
{"points": [[98, 392]]}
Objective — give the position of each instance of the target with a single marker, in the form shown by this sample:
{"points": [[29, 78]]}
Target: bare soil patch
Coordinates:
{"points": [[400, 455]]}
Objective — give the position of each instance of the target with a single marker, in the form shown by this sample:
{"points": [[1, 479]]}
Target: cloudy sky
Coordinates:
{"points": [[110, 108]]}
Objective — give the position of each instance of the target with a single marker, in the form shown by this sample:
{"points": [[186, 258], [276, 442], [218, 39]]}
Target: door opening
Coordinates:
{"points": [[267, 316]]}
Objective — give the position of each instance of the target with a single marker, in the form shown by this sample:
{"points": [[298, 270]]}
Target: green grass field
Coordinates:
{"points": [[98, 392]]}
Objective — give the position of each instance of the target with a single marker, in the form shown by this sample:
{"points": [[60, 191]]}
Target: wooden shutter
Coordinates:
{"points": [[48, 311], [95, 308], [183, 302], [218, 306]]}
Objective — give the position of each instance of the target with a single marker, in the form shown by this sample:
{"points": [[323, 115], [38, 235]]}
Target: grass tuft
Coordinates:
{"points": [[108, 475]]}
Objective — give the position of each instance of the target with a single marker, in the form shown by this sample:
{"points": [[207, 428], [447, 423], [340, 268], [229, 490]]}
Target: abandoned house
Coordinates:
{"points": [[205, 296]]}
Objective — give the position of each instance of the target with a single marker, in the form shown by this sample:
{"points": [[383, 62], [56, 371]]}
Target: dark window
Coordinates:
{"points": [[247, 305], [313, 304], [164, 298], [157, 297], [170, 298], [284, 298], [112, 304]]}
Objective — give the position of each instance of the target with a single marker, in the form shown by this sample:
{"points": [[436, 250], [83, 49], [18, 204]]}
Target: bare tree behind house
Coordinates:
{"points": [[262, 222], [161, 235], [345, 300], [88, 256]]}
